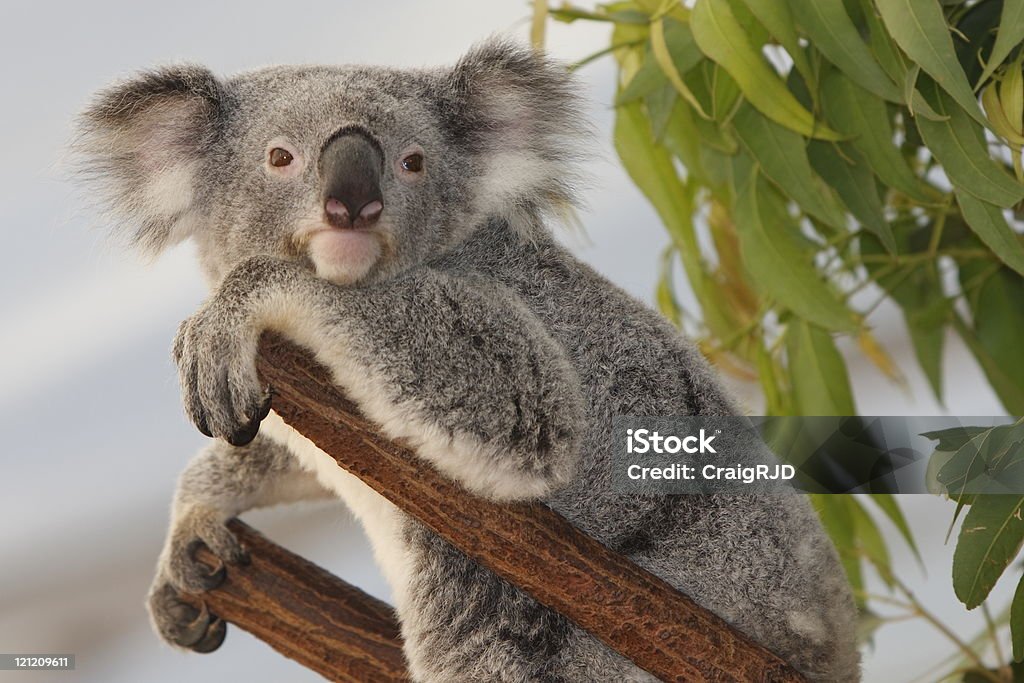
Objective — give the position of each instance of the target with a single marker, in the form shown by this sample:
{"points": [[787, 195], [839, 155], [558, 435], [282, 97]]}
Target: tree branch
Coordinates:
{"points": [[317, 619], [307, 614]]}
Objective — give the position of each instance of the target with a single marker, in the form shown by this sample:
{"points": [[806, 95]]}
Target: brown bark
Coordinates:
{"points": [[629, 609], [307, 614]]}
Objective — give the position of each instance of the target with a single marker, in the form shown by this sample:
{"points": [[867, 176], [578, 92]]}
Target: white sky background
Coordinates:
{"points": [[94, 434]]}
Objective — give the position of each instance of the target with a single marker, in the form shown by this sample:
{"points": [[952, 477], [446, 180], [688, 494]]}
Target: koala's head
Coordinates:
{"points": [[359, 172]]}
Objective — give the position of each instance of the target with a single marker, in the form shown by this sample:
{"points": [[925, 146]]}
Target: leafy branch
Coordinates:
{"points": [[802, 152]]}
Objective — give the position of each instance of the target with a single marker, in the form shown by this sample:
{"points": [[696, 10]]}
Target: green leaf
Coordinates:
{"points": [[936, 461], [837, 518], [831, 31], [776, 18], [888, 504], [959, 144], [683, 139], [782, 156], [991, 536], [890, 58], [651, 168], [681, 45], [870, 541], [725, 93], [976, 36], [776, 396], [998, 329], [665, 294], [646, 80], [660, 104], [664, 58], [775, 259], [1000, 376], [918, 292], [855, 185], [821, 385], [865, 118], [1009, 35], [1017, 621], [954, 438], [724, 40], [928, 342], [919, 27], [985, 463], [569, 14], [988, 223]]}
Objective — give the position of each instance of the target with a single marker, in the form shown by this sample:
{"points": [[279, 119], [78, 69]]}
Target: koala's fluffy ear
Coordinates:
{"points": [[144, 143], [519, 113]]}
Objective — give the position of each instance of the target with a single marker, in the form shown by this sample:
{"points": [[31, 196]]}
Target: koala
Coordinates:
{"points": [[395, 222]]}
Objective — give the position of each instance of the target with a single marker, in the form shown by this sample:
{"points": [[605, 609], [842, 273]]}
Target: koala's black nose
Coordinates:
{"points": [[351, 164]]}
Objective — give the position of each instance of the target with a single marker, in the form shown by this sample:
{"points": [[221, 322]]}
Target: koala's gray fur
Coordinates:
{"points": [[456, 323]]}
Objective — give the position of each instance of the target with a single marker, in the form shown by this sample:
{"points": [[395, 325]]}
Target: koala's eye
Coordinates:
{"points": [[280, 157], [413, 163]]}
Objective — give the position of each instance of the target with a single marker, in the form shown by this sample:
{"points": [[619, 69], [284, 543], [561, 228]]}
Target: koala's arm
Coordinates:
{"points": [[222, 481], [457, 367]]}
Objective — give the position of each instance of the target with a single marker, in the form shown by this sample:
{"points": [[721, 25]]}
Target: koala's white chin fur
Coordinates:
{"points": [[344, 256]]}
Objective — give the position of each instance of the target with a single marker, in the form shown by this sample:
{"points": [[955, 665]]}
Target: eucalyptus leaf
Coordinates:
{"points": [[870, 541], [855, 184], [777, 19], [1002, 377], [776, 398], [662, 55], [976, 36], [725, 93], [998, 328], [954, 438], [775, 260], [988, 223], [665, 293], [821, 385], [724, 40], [981, 460], [959, 144], [782, 156], [1009, 35], [865, 118], [660, 104], [832, 31], [892, 61], [888, 504], [990, 537], [1017, 622], [648, 78], [917, 289], [569, 14], [920, 29], [837, 517], [651, 168]]}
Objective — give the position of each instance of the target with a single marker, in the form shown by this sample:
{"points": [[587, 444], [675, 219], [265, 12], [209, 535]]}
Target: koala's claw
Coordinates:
{"points": [[214, 637], [182, 624], [197, 528], [246, 434], [221, 390]]}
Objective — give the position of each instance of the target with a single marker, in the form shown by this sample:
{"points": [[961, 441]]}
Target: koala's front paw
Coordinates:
{"points": [[216, 357], [199, 526], [179, 621]]}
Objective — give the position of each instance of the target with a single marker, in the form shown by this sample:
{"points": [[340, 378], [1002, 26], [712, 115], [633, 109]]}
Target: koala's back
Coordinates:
{"points": [[761, 562]]}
